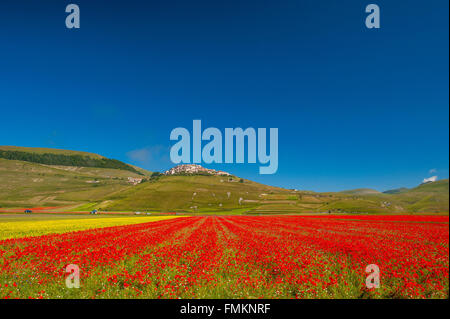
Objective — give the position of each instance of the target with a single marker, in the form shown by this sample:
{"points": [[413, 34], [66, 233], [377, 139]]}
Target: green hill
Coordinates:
{"points": [[194, 193], [81, 188], [62, 157], [432, 187], [26, 183], [216, 194], [430, 197]]}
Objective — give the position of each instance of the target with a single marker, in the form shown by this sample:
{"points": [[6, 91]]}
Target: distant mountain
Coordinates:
{"points": [[361, 191], [397, 190]]}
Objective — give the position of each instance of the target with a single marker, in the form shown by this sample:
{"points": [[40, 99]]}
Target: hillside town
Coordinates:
{"points": [[194, 169]]}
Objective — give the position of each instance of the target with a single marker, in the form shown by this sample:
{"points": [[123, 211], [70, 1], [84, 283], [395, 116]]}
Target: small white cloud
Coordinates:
{"points": [[432, 171], [430, 179]]}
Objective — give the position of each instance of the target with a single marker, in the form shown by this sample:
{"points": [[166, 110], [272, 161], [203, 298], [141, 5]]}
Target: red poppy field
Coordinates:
{"points": [[236, 257]]}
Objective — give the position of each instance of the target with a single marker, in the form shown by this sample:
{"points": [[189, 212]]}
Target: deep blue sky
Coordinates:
{"points": [[354, 107]]}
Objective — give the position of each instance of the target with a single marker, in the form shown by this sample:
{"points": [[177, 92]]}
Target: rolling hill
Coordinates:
{"points": [[62, 157], [80, 188], [430, 197], [31, 184], [193, 193]]}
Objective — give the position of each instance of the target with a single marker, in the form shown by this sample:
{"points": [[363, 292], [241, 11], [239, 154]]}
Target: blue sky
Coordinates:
{"points": [[354, 107]]}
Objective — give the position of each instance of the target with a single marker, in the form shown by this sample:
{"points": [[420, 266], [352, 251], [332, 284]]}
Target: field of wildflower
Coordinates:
{"points": [[235, 257], [29, 228]]}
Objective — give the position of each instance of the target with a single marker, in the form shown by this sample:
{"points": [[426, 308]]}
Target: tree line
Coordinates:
{"points": [[67, 160]]}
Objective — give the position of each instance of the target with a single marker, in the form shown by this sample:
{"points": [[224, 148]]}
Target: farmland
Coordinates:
{"points": [[31, 226], [236, 257]]}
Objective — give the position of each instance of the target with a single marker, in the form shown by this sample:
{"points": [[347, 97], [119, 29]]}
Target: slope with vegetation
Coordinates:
{"points": [[30, 184], [200, 194], [194, 193], [64, 159]]}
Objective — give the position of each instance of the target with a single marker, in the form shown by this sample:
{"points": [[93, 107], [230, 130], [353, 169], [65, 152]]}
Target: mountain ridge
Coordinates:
{"points": [[62, 157]]}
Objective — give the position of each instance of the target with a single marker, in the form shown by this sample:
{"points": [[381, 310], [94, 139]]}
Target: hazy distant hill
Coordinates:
{"points": [[30, 184], [361, 191], [396, 191]]}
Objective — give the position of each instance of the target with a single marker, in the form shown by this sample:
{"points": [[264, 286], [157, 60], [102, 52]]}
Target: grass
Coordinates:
{"points": [[85, 207]]}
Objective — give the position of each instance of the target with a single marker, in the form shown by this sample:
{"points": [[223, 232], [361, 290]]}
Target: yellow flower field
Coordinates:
{"points": [[18, 229]]}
